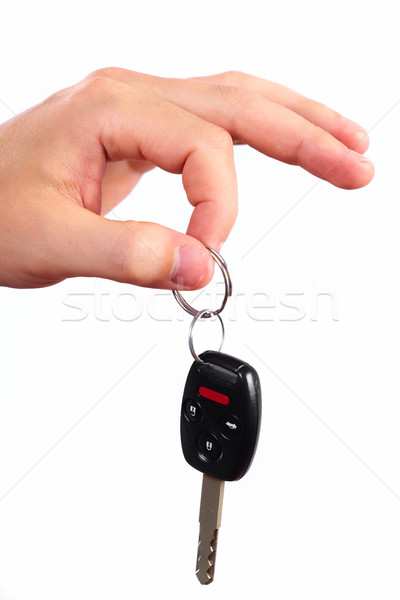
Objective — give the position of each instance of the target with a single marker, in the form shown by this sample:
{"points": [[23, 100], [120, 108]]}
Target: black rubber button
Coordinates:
{"points": [[230, 427], [193, 411], [209, 446]]}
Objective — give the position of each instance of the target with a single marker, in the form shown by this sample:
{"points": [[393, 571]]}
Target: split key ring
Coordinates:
{"points": [[206, 314]]}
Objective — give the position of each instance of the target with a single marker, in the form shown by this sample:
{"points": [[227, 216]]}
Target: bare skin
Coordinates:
{"points": [[68, 161]]}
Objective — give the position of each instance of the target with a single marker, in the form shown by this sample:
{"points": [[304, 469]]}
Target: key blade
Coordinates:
{"points": [[212, 496]]}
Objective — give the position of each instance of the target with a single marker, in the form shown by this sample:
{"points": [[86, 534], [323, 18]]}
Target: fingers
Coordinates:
{"points": [[280, 133], [135, 121], [146, 254], [106, 120], [350, 133], [270, 126], [137, 126]]}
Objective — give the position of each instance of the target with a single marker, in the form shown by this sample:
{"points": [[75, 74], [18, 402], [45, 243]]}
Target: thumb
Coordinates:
{"points": [[145, 254]]}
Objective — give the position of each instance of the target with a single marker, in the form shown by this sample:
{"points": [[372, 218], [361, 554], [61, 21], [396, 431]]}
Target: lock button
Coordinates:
{"points": [[209, 446]]}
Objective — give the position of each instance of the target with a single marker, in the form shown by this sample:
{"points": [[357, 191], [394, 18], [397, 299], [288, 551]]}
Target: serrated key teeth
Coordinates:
{"points": [[205, 577], [204, 580], [206, 560], [212, 494]]}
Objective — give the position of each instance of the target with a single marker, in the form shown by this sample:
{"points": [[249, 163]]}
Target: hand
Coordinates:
{"points": [[72, 158]]}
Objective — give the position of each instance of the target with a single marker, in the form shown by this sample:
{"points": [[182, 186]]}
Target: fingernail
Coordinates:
{"points": [[362, 136], [353, 124], [367, 166], [192, 267], [359, 134], [363, 160]]}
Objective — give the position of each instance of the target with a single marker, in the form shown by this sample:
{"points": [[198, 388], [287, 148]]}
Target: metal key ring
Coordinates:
{"points": [[206, 314], [200, 314]]}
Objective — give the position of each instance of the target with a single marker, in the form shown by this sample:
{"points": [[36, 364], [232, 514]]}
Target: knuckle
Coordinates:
{"points": [[96, 84], [96, 92], [141, 254], [123, 253], [233, 78], [236, 102], [108, 72], [233, 95], [104, 84], [219, 138], [312, 138], [127, 253]]}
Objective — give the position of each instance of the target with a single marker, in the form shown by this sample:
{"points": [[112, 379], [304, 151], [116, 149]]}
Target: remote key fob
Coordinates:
{"points": [[220, 416], [220, 423]]}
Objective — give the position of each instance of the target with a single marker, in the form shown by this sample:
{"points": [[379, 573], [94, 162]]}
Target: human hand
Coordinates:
{"points": [[71, 159]]}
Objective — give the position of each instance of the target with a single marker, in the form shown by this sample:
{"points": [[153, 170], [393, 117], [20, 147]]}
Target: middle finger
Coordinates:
{"points": [[267, 126]]}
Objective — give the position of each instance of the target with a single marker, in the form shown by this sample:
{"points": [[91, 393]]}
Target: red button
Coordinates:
{"points": [[214, 396]]}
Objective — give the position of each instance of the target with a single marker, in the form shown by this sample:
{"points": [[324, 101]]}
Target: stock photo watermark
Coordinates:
{"points": [[290, 305]]}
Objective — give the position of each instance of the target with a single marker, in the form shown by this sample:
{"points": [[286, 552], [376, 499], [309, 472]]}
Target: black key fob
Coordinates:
{"points": [[221, 416]]}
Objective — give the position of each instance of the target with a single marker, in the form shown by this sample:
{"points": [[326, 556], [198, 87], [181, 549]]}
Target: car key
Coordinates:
{"points": [[220, 423]]}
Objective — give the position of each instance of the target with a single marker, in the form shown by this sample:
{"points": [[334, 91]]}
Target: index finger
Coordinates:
{"points": [[134, 124]]}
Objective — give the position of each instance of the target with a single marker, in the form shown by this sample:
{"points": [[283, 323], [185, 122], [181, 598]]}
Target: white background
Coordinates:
{"points": [[96, 498]]}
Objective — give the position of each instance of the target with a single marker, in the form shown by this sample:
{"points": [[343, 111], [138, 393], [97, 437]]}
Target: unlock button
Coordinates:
{"points": [[209, 446], [193, 411]]}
